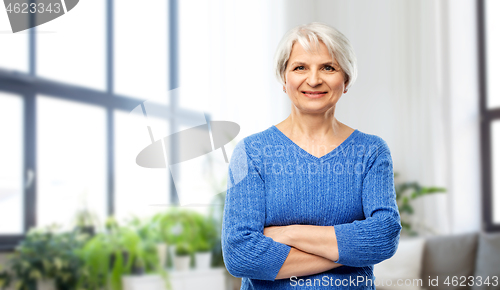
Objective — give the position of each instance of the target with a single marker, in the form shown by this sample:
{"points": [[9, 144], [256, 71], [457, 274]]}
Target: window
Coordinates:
{"points": [[65, 115], [14, 55], [138, 191], [489, 44], [137, 51], [11, 170], [71, 159], [63, 52]]}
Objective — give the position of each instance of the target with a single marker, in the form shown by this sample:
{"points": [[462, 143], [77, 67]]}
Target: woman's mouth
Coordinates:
{"points": [[313, 95]]}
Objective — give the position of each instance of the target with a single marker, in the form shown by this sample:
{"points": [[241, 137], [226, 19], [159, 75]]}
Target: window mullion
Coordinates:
{"points": [[110, 108]]}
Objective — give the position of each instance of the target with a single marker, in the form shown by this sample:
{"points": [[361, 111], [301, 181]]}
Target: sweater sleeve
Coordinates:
{"points": [[246, 251], [374, 239]]}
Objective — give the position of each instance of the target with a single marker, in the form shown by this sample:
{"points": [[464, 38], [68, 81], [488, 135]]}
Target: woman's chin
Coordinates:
{"points": [[319, 108]]}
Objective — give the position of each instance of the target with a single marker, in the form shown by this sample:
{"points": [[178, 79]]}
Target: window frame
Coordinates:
{"points": [[487, 117], [28, 86]]}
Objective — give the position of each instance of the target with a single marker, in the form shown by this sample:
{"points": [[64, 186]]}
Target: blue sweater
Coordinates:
{"points": [[274, 182]]}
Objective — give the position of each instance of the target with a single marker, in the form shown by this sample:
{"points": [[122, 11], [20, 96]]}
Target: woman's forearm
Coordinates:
{"points": [[318, 240], [299, 263]]}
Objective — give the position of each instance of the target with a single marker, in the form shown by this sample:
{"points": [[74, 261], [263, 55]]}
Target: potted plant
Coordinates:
{"points": [[86, 221], [150, 232], [30, 260], [109, 255], [204, 240], [148, 255], [5, 279], [47, 257], [118, 252], [182, 256], [175, 226], [406, 192], [96, 257], [203, 255], [149, 259], [67, 265]]}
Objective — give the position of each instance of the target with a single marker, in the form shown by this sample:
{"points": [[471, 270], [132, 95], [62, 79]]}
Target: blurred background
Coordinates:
{"points": [[427, 85]]}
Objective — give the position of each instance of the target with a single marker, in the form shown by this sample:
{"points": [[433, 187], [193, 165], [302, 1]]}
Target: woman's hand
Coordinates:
{"points": [[281, 234]]}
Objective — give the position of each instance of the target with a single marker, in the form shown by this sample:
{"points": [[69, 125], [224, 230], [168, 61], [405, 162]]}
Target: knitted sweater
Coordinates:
{"points": [[274, 182]]}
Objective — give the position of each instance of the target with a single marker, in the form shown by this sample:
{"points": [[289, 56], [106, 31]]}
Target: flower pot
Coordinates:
{"points": [[170, 256], [203, 260], [181, 263], [162, 250], [145, 282]]}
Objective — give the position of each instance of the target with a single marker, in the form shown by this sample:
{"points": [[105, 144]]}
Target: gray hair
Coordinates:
{"points": [[338, 46]]}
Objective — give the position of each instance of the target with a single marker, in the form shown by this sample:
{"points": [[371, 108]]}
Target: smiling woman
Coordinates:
{"points": [[326, 210]]}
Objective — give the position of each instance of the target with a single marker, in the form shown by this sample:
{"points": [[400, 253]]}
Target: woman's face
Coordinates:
{"points": [[314, 81]]}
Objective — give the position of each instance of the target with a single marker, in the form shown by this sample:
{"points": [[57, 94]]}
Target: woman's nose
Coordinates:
{"points": [[314, 79]]}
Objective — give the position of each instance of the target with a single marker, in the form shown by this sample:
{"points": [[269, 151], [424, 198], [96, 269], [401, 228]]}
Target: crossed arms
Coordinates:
{"points": [[314, 249]]}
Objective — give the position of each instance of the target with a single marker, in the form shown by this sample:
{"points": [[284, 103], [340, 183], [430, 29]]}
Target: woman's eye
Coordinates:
{"points": [[329, 68], [299, 68]]}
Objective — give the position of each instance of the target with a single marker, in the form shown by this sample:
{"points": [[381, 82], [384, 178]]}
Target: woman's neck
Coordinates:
{"points": [[312, 126]]}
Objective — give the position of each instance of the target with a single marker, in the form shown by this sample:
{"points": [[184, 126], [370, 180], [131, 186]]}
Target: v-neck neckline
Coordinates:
{"points": [[309, 155]]}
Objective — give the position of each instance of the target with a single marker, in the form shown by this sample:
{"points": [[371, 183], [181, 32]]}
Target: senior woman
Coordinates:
{"points": [[310, 201]]}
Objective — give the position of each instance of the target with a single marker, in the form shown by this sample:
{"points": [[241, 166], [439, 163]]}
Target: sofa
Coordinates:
{"points": [[464, 261]]}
